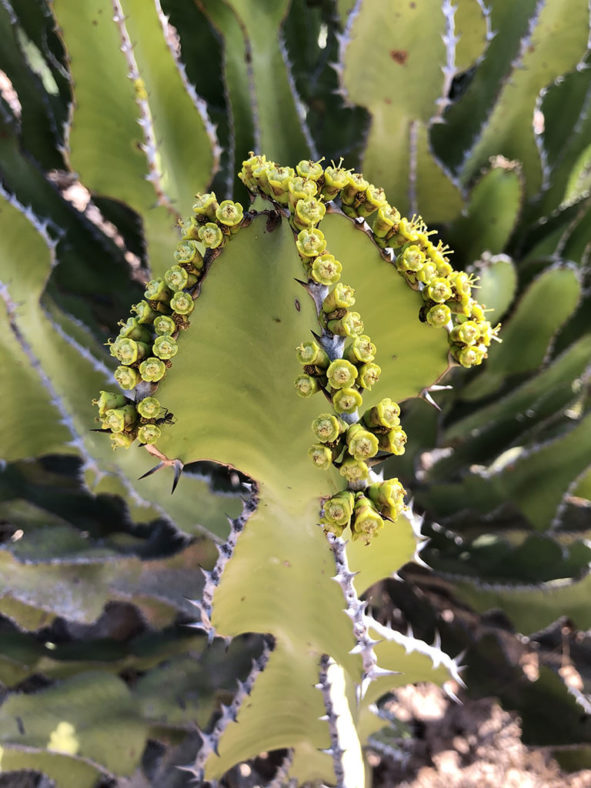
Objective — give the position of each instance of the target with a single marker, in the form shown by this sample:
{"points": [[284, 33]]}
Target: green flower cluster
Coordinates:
{"points": [[364, 512], [147, 341]]}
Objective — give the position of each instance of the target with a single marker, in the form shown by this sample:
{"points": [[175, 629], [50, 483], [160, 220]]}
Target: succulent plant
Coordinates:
{"points": [[476, 118]]}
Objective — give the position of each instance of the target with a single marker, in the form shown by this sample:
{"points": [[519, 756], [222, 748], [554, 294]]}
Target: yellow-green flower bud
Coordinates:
{"points": [[145, 313], [311, 242], [439, 290], [156, 290], [340, 297], [385, 414], [182, 303], [122, 440], [278, 179], [164, 324], [337, 512], [109, 400], [327, 428], [410, 259], [361, 443], [461, 283], [406, 232], [341, 374], [335, 179], [311, 353], [190, 229], [354, 470], [427, 273], [178, 278], [165, 347], [361, 350], [150, 408], [306, 385], [393, 441], [128, 351], [127, 377], [187, 253], [386, 221], [349, 325], [326, 270], [388, 497], [205, 205], [346, 400], [374, 198], [470, 356], [309, 169], [468, 333], [149, 433], [439, 315], [133, 329], [354, 189], [246, 174], [120, 419], [369, 374], [211, 236], [230, 213], [308, 212], [152, 369], [367, 521], [300, 189], [321, 456]]}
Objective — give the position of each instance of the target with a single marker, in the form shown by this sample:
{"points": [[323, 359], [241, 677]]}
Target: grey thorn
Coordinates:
{"points": [[324, 718]]}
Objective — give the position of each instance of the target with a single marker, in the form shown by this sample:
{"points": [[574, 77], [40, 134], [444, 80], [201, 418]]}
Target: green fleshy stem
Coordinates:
{"points": [[165, 347], [109, 400], [325, 270], [164, 324], [182, 303], [133, 329], [349, 325], [211, 236], [354, 471], [335, 179], [157, 290], [373, 199], [327, 428], [337, 512], [361, 350], [120, 419], [311, 242], [393, 441], [341, 374], [311, 353], [367, 521], [309, 169], [150, 408], [306, 385], [178, 278], [145, 313], [128, 351], [308, 213], [149, 433], [187, 253], [230, 214], [205, 205], [122, 440], [369, 374], [346, 400], [152, 369], [385, 414], [388, 497], [340, 297], [362, 444], [127, 377], [321, 456]]}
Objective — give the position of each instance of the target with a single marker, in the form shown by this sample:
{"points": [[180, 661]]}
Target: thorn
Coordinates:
{"points": [[151, 471], [324, 718], [178, 469], [437, 640]]}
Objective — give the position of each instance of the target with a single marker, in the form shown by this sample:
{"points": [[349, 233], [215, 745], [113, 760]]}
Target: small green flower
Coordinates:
{"points": [[120, 419], [349, 325], [311, 353], [311, 242], [164, 324], [182, 303], [230, 213], [109, 400], [211, 236], [439, 315], [337, 512], [362, 444], [326, 270], [127, 377], [341, 374], [133, 329], [439, 290], [128, 351], [386, 222], [470, 356], [279, 179], [369, 374], [309, 169], [340, 297], [156, 290], [150, 408], [410, 259], [249, 166], [346, 400], [468, 333], [205, 205], [367, 521], [427, 273], [308, 212], [187, 252], [388, 497], [306, 385], [165, 347], [385, 414], [327, 428], [361, 350], [190, 229], [122, 440], [354, 190], [177, 278], [354, 470], [321, 456], [374, 198], [335, 179], [152, 370], [145, 313], [393, 441], [149, 433]]}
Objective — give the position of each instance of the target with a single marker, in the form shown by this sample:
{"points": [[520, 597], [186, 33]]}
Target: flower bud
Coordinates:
{"points": [[187, 253], [109, 400], [205, 205], [335, 179], [149, 433], [439, 315], [156, 290], [311, 353], [340, 297], [361, 350], [211, 236], [246, 174], [349, 325], [133, 329], [337, 512], [145, 313], [308, 213], [150, 408], [122, 440], [385, 414], [311, 170], [306, 385], [470, 356], [361, 443], [327, 428], [354, 189], [346, 400], [165, 347], [164, 324], [341, 373], [311, 242], [439, 290], [120, 419], [127, 377], [321, 456], [393, 441], [230, 213], [367, 521], [190, 229], [388, 497], [177, 278], [386, 221], [278, 179], [152, 370], [427, 273], [182, 303], [326, 270], [410, 259], [369, 374], [467, 333], [128, 351], [373, 199], [354, 470]]}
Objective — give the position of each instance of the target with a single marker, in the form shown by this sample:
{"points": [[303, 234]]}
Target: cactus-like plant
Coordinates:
{"points": [[476, 117]]}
